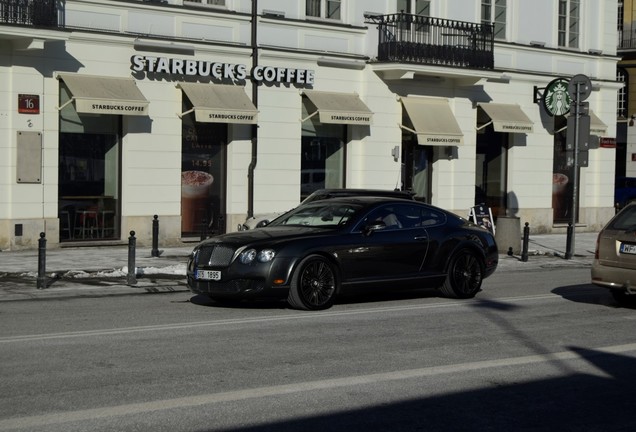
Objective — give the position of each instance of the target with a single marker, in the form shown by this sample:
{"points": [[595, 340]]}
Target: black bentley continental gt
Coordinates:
{"points": [[316, 251]]}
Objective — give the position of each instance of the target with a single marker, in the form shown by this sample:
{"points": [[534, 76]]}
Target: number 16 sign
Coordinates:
{"points": [[28, 104]]}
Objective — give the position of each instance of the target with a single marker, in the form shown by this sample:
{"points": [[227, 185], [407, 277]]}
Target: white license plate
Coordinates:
{"points": [[628, 248], [208, 275]]}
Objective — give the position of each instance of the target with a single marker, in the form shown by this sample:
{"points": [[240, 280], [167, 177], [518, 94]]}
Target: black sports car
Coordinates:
{"points": [[318, 250]]}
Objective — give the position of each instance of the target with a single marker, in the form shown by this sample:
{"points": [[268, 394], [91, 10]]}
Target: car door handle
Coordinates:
{"points": [[421, 237]]}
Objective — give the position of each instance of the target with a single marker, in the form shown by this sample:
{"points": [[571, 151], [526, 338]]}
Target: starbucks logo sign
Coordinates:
{"points": [[556, 99]]}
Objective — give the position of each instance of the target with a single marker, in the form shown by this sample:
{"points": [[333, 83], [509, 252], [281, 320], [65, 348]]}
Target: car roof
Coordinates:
{"points": [[328, 193]]}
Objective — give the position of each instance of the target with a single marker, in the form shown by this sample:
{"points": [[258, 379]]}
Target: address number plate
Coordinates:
{"points": [[209, 275], [628, 248]]}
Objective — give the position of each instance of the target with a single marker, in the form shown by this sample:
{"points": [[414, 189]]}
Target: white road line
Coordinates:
{"points": [[263, 319], [30, 422]]}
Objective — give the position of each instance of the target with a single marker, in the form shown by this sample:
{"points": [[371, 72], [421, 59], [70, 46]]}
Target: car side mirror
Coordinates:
{"points": [[373, 226]]}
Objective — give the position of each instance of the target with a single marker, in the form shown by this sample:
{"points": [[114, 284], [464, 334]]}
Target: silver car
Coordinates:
{"points": [[614, 264]]}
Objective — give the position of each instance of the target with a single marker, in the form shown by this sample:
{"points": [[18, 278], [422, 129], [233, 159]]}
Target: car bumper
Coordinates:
{"points": [[613, 277], [235, 288]]}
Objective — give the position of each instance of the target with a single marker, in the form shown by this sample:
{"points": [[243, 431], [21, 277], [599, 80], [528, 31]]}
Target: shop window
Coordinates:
{"points": [[323, 157], [491, 170], [562, 176], [203, 166], [89, 174]]}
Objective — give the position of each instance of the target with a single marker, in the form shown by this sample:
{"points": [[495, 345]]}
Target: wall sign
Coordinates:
{"points": [[28, 104], [220, 71], [556, 99]]}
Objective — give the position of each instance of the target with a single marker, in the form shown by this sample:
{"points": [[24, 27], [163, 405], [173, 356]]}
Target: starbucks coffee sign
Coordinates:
{"points": [[220, 71], [556, 98]]}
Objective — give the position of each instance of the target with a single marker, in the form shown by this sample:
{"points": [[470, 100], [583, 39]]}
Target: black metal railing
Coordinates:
{"points": [[41, 13], [407, 38]]}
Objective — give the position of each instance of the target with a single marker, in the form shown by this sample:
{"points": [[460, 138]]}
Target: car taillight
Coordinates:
{"points": [[598, 240]]}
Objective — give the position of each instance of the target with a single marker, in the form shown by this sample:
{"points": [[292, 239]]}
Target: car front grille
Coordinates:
{"points": [[215, 255]]}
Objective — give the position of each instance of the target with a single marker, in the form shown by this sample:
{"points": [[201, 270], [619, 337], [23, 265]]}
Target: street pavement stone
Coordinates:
{"points": [[103, 270]]}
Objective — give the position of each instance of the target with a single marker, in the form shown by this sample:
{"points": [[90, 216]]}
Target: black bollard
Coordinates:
{"points": [[132, 277], [155, 237], [526, 238], [570, 242], [41, 282]]}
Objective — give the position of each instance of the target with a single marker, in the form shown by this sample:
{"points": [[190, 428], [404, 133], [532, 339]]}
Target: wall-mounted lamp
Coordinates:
{"points": [[158, 46], [631, 120], [537, 43], [503, 79], [342, 63], [273, 13]]}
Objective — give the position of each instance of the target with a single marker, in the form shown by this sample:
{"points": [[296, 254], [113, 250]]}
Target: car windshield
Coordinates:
{"points": [[626, 220], [322, 214]]}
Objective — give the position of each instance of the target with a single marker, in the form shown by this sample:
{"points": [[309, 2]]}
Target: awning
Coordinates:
{"points": [[507, 118], [339, 108], [433, 120], [104, 95], [219, 103], [597, 127]]}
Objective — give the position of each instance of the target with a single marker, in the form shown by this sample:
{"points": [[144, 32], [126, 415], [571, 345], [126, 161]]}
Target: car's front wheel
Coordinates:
{"points": [[464, 275], [314, 284]]}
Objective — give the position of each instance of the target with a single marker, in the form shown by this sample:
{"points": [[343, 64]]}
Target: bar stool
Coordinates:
{"points": [[86, 223], [107, 223]]}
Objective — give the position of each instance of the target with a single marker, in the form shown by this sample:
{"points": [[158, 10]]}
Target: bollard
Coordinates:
{"points": [[41, 282], [132, 277], [570, 242], [155, 237], [526, 238]]}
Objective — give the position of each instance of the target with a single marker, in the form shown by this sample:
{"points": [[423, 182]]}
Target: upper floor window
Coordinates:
{"points": [[208, 2], [569, 19], [329, 9], [621, 106], [494, 11], [415, 7]]}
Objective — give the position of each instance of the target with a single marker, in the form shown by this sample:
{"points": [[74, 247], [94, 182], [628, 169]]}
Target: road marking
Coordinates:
{"points": [[30, 422], [272, 318]]}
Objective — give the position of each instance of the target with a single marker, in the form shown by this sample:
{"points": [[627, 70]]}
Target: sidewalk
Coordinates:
{"points": [[103, 270]]}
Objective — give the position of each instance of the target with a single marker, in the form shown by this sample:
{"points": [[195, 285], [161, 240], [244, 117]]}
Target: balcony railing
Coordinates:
{"points": [[407, 38], [40, 13]]}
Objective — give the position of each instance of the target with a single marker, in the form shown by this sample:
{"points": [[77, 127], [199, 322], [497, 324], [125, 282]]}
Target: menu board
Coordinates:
{"points": [[482, 216]]}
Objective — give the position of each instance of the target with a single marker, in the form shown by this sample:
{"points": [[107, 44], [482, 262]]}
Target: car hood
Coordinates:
{"points": [[265, 235]]}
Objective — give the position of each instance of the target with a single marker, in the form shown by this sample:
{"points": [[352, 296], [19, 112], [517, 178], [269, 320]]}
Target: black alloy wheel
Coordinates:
{"points": [[464, 277], [313, 285]]}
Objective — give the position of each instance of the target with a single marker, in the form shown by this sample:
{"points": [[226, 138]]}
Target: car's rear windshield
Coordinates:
{"points": [[625, 220], [321, 214]]}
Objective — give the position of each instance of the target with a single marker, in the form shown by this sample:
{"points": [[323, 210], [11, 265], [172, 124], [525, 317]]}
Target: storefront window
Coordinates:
{"points": [[491, 170], [322, 154], [563, 174], [417, 162], [88, 183], [202, 176]]}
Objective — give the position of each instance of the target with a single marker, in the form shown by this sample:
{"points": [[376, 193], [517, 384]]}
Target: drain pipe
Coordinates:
{"points": [[252, 166]]}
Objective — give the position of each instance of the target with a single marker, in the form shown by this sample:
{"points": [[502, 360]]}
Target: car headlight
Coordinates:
{"points": [[248, 256], [266, 255]]}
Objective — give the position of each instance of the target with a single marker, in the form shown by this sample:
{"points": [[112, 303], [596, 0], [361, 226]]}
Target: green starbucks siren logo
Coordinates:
{"points": [[556, 99]]}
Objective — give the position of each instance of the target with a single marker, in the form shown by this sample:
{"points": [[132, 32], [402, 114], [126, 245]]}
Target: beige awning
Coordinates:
{"points": [[507, 118], [339, 108], [433, 120], [597, 127], [219, 103], [105, 95]]}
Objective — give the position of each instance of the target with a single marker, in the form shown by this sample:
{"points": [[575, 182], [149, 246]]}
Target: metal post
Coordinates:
{"points": [[132, 277], [155, 237], [526, 237], [569, 251], [575, 180], [41, 282]]}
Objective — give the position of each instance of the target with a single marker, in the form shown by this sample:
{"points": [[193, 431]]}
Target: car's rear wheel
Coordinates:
{"points": [[464, 275], [624, 299], [313, 285]]}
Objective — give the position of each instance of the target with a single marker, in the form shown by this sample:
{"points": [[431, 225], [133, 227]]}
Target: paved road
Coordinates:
{"points": [[542, 350]]}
